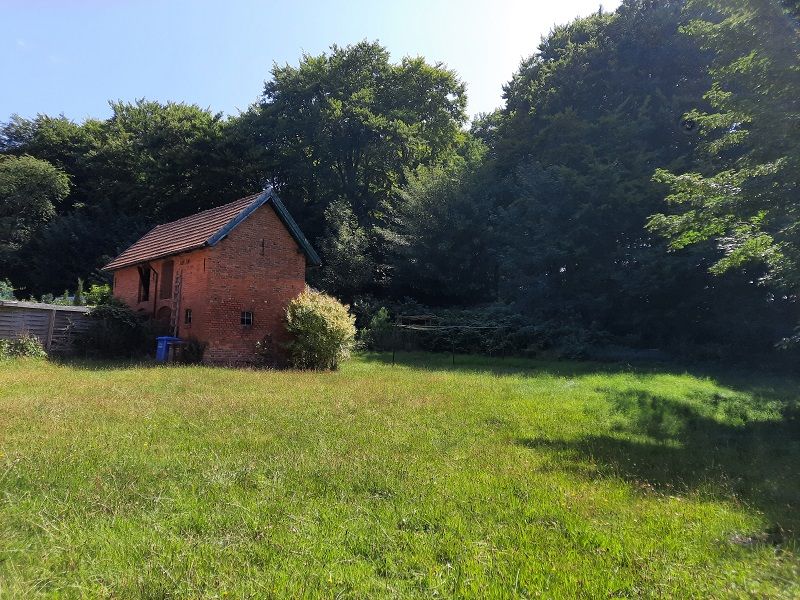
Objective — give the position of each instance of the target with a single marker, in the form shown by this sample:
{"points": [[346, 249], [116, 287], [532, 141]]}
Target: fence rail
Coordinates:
{"points": [[53, 324]]}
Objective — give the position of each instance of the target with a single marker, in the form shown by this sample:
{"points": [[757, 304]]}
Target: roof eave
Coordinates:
{"points": [[295, 230], [267, 196], [112, 267], [262, 199]]}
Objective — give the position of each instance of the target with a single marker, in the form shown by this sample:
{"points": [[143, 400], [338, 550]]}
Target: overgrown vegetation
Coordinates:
{"points": [[323, 331], [24, 346], [190, 351], [6, 290], [115, 331], [484, 479]]}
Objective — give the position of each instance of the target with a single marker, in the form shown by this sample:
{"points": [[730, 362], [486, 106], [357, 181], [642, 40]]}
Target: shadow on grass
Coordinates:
{"points": [[96, 364], [670, 447], [473, 363], [764, 384]]}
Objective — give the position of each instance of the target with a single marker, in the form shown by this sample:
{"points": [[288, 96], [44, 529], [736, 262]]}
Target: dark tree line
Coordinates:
{"points": [[639, 186]]}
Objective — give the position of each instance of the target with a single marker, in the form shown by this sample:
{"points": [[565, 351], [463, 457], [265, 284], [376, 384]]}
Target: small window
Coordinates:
{"points": [[247, 318], [187, 316]]}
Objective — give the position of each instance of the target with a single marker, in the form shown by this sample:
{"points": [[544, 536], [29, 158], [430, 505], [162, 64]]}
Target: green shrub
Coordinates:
{"points": [[268, 352], [99, 294], [26, 346], [63, 300], [491, 329], [115, 331], [378, 335], [322, 329], [79, 299], [6, 290], [190, 352]]}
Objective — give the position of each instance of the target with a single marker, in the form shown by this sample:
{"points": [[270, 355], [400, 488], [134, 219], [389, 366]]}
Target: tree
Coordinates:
{"points": [[148, 163], [163, 161], [744, 196], [439, 236], [65, 144], [75, 245], [29, 190], [349, 268], [344, 127], [587, 119]]}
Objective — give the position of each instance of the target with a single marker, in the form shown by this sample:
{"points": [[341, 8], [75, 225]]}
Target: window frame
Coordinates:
{"points": [[246, 318]]}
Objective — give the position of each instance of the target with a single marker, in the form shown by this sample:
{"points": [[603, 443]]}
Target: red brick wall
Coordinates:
{"points": [[193, 270], [243, 277], [219, 283], [126, 288], [191, 267]]}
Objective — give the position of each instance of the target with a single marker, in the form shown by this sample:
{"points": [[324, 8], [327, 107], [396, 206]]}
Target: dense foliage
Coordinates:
{"points": [[638, 186], [115, 331], [25, 346], [6, 290], [743, 194], [322, 330], [30, 188]]}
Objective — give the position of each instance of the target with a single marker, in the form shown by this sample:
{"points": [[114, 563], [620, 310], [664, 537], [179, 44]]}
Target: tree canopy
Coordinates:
{"points": [[743, 194], [30, 189]]}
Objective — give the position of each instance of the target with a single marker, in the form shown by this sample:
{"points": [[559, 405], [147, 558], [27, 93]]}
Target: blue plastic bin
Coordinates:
{"points": [[162, 347]]}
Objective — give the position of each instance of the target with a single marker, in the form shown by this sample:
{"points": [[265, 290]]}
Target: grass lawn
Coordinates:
{"points": [[489, 478]]}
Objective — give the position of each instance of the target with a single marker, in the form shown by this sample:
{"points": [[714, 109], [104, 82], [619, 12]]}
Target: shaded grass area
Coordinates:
{"points": [[487, 478]]}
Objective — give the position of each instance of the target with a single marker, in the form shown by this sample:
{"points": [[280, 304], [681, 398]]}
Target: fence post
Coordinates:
{"points": [[50, 325]]}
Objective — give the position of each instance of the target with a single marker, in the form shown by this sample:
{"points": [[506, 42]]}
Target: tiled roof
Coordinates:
{"points": [[205, 228]]}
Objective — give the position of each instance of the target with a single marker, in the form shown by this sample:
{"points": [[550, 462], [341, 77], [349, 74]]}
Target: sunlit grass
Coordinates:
{"points": [[490, 478]]}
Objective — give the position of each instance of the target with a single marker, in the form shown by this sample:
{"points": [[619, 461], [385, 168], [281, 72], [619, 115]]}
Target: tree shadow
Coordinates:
{"points": [[671, 447], [764, 384], [495, 365], [94, 364]]}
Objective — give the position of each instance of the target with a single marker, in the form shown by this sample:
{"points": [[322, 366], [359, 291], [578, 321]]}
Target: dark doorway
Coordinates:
{"points": [[167, 268]]}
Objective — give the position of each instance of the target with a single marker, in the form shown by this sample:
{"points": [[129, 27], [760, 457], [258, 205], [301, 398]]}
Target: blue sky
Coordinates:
{"points": [[72, 56]]}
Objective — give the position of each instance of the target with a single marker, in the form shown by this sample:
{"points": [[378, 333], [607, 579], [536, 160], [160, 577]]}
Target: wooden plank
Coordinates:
{"points": [[45, 321], [49, 339]]}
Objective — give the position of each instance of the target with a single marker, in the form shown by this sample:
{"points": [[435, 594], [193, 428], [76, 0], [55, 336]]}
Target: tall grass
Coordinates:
{"points": [[487, 478]]}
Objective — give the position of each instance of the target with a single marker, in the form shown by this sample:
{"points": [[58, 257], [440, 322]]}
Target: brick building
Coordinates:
{"points": [[222, 276]]}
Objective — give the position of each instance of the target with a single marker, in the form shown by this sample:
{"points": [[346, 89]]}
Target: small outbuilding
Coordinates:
{"points": [[223, 276]]}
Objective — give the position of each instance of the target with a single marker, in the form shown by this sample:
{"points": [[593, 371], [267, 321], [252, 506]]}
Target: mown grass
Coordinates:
{"points": [[489, 478]]}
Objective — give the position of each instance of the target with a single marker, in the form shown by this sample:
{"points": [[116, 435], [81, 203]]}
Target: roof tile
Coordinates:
{"points": [[182, 235]]}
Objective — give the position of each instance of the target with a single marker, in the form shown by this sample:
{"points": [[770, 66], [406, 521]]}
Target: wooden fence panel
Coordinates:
{"points": [[51, 323]]}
